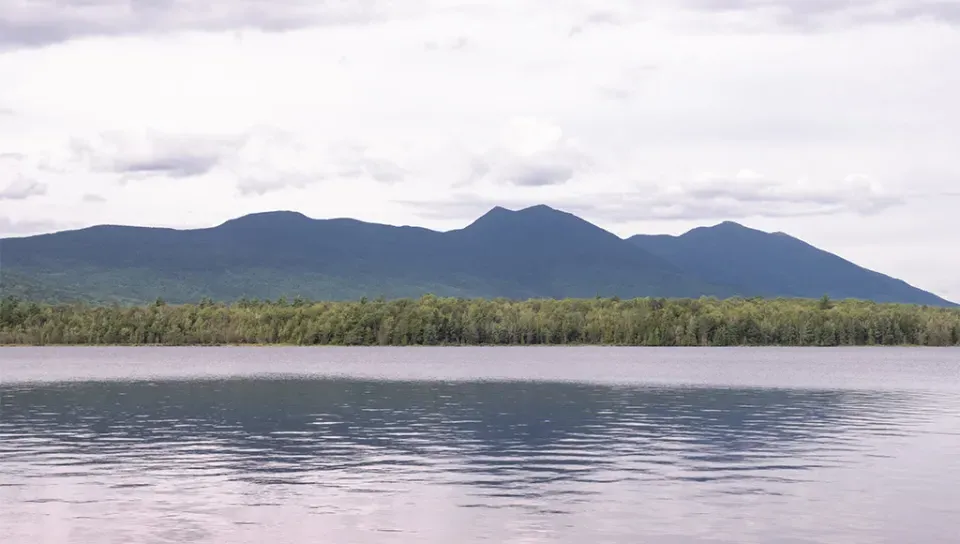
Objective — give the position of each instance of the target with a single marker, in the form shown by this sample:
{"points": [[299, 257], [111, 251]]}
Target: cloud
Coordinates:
{"points": [[707, 198], [259, 161], [146, 154], [21, 189], [10, 227], [382, 170], [93, 198], [628, 84], [532, 153], [820, 14], [747, 190], [23, 185], [44, 22], [595, 18], [745, 195], [271, 161], [457, 44]]}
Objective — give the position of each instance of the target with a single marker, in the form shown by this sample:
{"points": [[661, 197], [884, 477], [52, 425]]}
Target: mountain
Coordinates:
{"points": [[758, 263], [543, 252], [533, 252]]}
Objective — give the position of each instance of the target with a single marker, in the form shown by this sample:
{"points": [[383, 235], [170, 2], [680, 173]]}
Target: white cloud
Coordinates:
{"points": [[532, 153], [16, 180], [22, 188], [39, 22], [830, 14], [640, 116], [707, 197], [10, 227], [148, 154], [260, 161]]}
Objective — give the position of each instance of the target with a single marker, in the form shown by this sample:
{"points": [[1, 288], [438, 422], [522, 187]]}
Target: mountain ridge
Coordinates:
{"points": [[760, 263], [533, 252]]}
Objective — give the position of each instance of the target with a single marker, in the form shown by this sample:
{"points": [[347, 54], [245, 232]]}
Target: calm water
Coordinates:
{"points": [[446, 445]]}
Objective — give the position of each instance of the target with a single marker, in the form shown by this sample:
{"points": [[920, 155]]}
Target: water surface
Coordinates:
{"points": [[572, 445]]}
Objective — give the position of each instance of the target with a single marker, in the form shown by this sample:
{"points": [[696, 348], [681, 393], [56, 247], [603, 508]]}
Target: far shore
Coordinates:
{"points": [[437, 321]]}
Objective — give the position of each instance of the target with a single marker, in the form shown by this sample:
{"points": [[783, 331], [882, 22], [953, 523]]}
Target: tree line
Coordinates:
{"points": [[432, 320]]}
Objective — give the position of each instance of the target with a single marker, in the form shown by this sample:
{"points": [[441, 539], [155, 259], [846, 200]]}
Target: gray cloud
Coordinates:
{"points": [[458, 44], [533, 153], [272, 161], [552, 171], [262, 184], [462, 205], [741, 197], [381, 170], [9, 227], [93, 198], [261, 161], [614, 92], [705, 200], [22, 188], [626, 86], [43, 22], [152, 154], [818, 14], [634, 207], [598, 18], [731, 196], [174, 166], [554, 166]]}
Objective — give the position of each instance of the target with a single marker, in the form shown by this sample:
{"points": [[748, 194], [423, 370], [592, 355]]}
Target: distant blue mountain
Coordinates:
{"points": [[757, 263], [528, 253]]}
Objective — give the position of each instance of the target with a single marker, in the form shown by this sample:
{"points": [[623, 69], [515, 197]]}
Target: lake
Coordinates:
{"points": [[440, 445]]}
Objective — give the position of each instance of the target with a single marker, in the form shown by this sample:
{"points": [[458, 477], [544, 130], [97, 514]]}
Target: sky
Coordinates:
{"points": [[835, 121]]}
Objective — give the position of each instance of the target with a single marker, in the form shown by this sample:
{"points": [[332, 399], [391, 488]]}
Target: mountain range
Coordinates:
{"points": [[529, 253]]}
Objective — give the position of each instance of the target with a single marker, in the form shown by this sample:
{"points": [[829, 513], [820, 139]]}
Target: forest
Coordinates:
{"points": [[431, 320]]}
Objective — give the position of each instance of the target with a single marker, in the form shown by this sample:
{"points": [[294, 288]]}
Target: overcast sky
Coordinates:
{"points": [[833, 120]]}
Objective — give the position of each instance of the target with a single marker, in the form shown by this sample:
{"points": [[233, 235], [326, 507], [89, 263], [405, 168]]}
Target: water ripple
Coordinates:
{"points": [[240, 460]]}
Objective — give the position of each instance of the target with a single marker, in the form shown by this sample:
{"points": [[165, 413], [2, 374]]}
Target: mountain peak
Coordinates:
{"points": [[539, 208], [727, 226], [498, 215], [277, 218], [275, 214], [497, 210], [495, 215], [536, 208], [538, 224], [724, 228]]}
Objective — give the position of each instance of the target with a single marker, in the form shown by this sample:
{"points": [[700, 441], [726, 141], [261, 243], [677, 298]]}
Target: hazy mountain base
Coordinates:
{"points": [[27, 286], [144, 285], [433, 320], [131, 286]]}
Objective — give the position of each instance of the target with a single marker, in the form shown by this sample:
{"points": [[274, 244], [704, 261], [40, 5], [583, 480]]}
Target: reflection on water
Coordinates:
{"points": [[356, 460]]}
